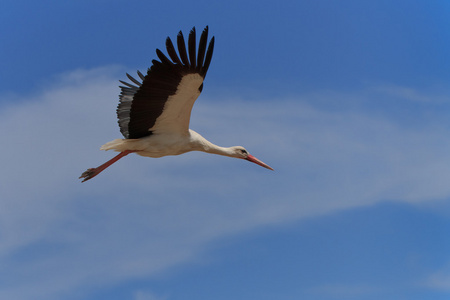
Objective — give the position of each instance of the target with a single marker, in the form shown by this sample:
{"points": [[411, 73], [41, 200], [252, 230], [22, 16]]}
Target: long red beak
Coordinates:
{"points": [[258, 162]]}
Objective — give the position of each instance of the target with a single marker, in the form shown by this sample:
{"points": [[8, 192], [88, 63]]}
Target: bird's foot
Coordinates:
{"points": [[89, 173], [92, 172]]}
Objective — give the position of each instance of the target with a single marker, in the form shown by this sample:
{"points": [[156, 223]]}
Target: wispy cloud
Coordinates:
{"points": [[439, 280], [143, 216], [412, 94]]}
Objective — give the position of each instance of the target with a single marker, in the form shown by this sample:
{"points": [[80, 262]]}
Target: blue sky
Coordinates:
{"points": [[348, 101]]}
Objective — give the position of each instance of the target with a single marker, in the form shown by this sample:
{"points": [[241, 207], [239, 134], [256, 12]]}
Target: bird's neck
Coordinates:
{"points": [[214, 149], [206, 146]]}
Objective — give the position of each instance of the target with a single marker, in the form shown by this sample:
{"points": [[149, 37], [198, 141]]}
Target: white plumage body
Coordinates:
{"points": [[159, 145]]}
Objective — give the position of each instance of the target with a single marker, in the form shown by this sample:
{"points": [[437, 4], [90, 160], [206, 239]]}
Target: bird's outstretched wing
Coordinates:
{"points": [[163, 101]]}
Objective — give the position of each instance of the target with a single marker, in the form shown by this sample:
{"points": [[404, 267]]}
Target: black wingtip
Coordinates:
{"points": [[208, 57], [140, 75], [163, 58], [171, 51], [192, 44], [202, 48], [182, 48]]}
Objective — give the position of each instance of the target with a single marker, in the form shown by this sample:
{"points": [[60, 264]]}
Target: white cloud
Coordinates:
{"points": [[143, 216], [411, 94], [439, 280]]}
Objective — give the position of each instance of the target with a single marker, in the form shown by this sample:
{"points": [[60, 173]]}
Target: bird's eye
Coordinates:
{"points": [[243, 151]]}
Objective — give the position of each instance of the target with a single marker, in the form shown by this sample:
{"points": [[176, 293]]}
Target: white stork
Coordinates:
{"points": [[154, 115]]}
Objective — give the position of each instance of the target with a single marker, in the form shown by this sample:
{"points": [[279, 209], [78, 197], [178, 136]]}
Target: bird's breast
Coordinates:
{"points": [[163, 145]]}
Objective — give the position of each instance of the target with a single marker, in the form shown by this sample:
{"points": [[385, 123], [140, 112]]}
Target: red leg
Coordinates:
{"points": [[92, 172]]}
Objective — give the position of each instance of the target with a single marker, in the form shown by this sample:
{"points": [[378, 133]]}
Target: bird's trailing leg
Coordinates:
{"points": [[92, 172]]}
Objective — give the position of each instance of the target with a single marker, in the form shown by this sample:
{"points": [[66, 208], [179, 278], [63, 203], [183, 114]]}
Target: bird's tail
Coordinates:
{"points": [[116, 144]]}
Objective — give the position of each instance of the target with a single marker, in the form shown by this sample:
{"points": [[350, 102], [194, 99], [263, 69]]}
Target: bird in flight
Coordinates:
{"points": [[154, 114]]}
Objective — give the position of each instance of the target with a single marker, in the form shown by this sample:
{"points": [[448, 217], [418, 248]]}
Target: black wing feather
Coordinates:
{"points": [[208, 58], [182, 48], [163, 58], [202, 48], [141, 105], [128, 84], [140, 75], [134, 80], [171, 51], [192, 50]]}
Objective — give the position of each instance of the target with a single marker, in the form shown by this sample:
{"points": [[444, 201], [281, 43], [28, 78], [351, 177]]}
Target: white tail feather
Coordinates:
{"points": [[113, 145]]}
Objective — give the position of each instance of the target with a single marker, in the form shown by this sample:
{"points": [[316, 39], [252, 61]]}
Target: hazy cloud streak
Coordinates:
{"points": [[144, 216]]}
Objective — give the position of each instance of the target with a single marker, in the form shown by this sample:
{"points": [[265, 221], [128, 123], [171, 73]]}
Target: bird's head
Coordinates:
{"points": [[241, 152]]}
